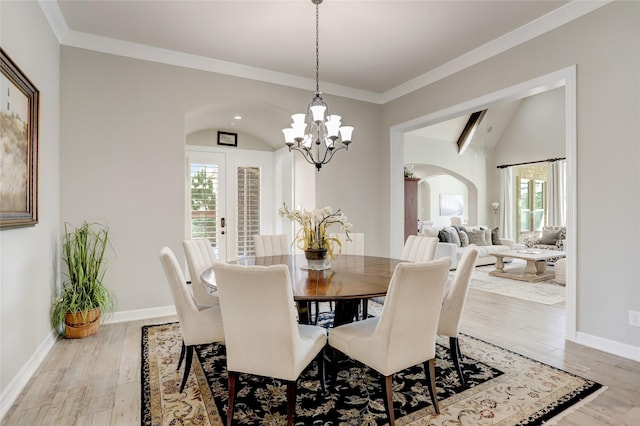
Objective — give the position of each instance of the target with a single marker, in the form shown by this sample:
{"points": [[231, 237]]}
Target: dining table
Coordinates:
{"points": [[347, 281]]}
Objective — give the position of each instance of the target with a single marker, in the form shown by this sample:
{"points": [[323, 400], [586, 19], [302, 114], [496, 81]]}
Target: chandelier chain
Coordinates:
{"points": [[317, 50]]}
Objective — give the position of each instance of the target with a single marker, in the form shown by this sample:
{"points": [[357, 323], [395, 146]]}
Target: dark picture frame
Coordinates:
{"points": [[227, 138], [19, 113]]}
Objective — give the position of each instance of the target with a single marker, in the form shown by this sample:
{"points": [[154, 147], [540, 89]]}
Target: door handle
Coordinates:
{"points": [[222, 225]]}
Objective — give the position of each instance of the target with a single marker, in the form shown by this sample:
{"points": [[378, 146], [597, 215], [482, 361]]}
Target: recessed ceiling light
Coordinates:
{"points": [[237, 117]]}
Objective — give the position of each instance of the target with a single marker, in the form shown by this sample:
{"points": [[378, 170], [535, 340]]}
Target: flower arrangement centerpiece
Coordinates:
{"points": [[313, 236]]}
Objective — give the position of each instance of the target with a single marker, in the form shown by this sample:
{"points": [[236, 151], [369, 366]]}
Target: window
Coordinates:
{"points": [[531, 195], [204, 190], [248, 209]]}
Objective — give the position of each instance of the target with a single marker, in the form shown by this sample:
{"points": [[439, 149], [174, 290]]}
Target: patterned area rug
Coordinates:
{"points": [[503, 388], [545, 292]]}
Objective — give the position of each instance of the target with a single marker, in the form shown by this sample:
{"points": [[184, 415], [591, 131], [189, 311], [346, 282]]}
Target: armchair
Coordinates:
{"points": [[551, 238]]}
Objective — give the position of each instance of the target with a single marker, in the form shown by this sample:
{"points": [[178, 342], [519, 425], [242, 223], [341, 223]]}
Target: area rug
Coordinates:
{"points": [[544, 292], [503, 388]]}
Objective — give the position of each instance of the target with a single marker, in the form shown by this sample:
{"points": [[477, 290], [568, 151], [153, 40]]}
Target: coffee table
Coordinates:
{"points": [[534, 271]]}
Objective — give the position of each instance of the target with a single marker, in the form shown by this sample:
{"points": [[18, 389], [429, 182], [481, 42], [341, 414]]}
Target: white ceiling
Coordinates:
{"points": [[371, 50]]}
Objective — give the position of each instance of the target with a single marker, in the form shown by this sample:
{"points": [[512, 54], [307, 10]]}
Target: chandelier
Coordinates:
{"points": [[316, 134]]}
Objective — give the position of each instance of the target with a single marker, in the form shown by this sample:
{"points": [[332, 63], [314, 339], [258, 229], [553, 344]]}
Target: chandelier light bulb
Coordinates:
{"points": [[345, 134], [318, 113], [289, 138]]}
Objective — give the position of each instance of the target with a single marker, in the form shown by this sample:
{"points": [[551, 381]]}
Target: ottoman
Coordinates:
{"points": [[561, 271]]}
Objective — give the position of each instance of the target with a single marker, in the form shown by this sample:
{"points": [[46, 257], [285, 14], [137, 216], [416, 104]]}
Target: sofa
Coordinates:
{"points": [[454, 240]]}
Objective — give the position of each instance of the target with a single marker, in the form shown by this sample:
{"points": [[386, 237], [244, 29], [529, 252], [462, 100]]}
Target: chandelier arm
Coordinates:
{"points": [[305, 154], [325, 160]]}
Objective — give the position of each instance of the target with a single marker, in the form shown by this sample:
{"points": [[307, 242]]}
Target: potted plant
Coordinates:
{"points": [[313, 237], [83, 299]]}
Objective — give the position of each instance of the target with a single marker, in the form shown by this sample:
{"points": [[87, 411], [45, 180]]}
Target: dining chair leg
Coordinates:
{"points": [[321, 370], [187, 367], [182, 351], [315, 318], [304, 312], [430, 373], [365, 309], [454, 348], [333, 367], [387, 382], [233, 377], [291, 401]]}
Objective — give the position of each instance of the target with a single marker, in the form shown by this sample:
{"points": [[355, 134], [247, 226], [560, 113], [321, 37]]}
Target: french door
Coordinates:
{"points": [[228, 199], [206, 199]]}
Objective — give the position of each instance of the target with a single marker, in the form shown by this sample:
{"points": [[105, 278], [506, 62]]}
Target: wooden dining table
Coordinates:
{"points": [[349, 280]]}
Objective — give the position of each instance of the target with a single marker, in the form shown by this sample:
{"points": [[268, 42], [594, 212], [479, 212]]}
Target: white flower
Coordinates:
{"points": [[314, 233]]}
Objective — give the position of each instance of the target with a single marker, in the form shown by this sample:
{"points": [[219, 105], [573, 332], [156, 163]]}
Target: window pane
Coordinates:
{"points": [[204, 189], [524, 194], [539, 194], [538, 216], [525, 220]]}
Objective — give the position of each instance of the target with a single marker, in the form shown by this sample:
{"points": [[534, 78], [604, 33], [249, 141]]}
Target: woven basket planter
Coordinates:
{"points": [[77, 326]]}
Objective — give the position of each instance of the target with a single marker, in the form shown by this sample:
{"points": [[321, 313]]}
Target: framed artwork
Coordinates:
{"points": [[228, 139], [451, 205], [19, 169]]}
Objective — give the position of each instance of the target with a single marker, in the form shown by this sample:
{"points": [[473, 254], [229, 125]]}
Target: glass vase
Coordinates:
{"points": [[317, 259]]}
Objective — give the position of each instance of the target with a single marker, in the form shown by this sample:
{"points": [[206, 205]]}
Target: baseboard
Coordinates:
{"points": [[609, 346], [20, 380], [140, 314], [17, 385]]}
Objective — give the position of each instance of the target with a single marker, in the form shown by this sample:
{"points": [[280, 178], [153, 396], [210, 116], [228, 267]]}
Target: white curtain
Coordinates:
{"points": [[557, 193], [507, 208]]}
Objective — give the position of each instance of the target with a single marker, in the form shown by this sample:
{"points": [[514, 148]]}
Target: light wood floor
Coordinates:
{"points": [[96, 380]]}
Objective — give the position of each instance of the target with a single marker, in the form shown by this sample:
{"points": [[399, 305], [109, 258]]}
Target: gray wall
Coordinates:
{"points": [[123, 156], [29, 261], [604, 46], [536, 132]]}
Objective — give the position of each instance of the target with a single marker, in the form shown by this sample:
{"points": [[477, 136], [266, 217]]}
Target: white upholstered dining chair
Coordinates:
{"points": [[353, 245], [262, 335], [453, 305], [271, 245], [404, 334], [419, 248], [198, 326], [200, 257]]}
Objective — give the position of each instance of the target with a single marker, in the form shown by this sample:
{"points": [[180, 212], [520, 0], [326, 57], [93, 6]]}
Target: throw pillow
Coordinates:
{"points": [[430, 231], [495, 239], [455, 239], [444, 237], [487, 235], [464, 238], [549, 237], [477, 237]]}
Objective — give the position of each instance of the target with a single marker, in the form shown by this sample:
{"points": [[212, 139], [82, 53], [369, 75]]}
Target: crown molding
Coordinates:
{"points": [[535, 28], [529, 31]]}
